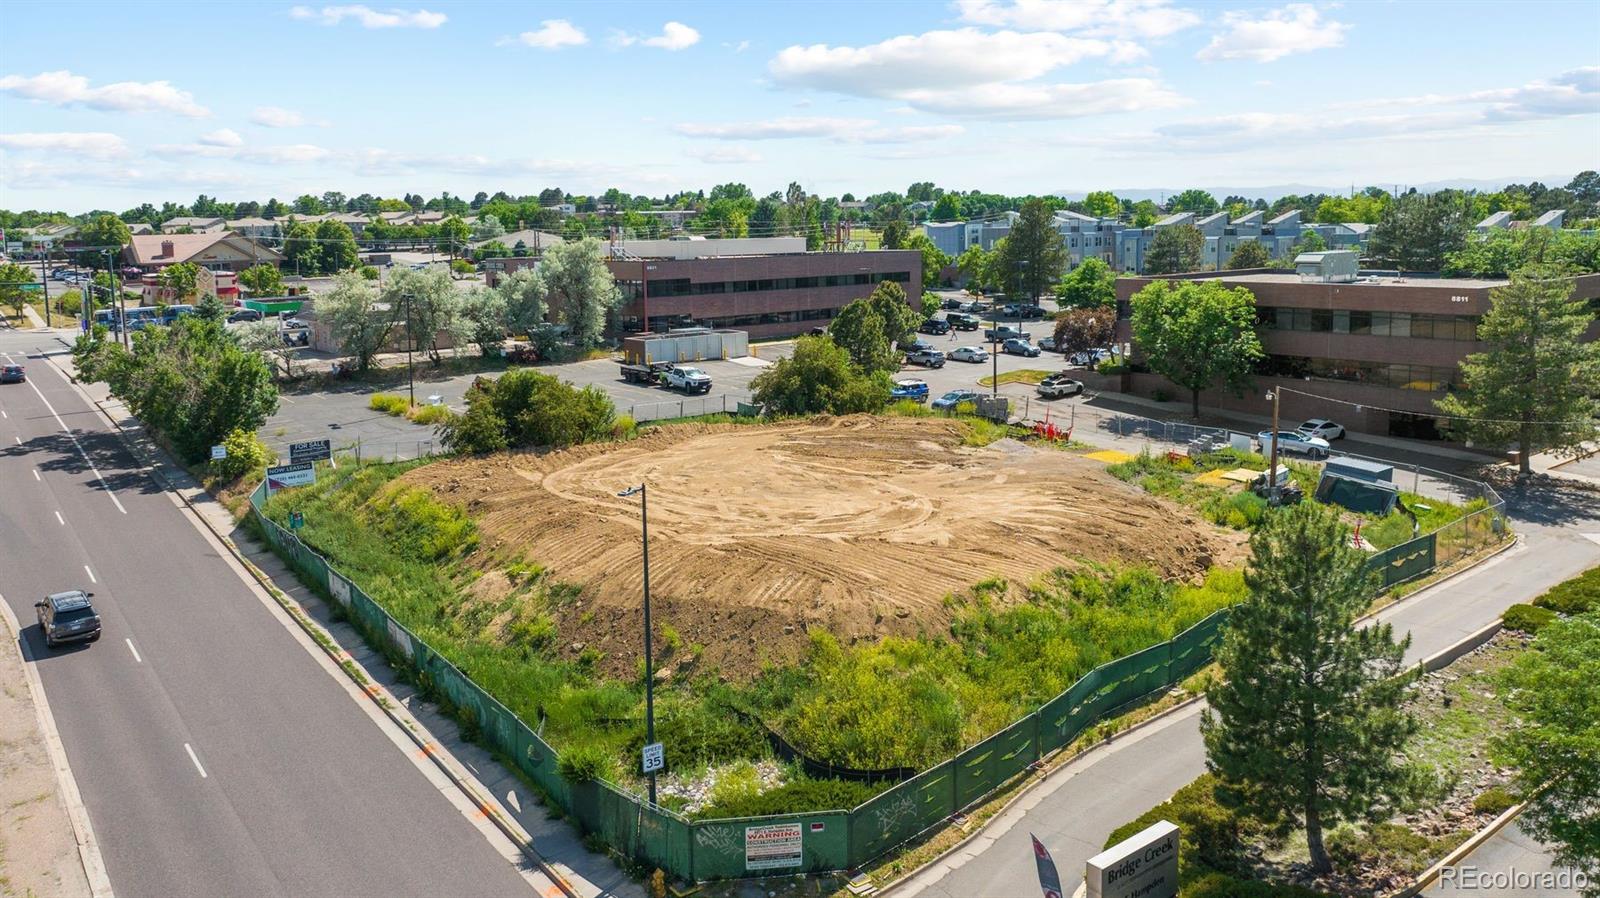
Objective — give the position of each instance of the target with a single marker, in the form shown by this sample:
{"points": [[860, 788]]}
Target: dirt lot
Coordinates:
{"points": [[860, 526]]}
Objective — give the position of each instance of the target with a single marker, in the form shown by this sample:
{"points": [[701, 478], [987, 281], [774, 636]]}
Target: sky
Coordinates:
{"points": [[110, 104]]}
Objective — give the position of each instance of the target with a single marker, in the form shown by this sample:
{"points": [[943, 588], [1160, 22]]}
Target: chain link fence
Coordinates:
{"points": [[686, 407]]}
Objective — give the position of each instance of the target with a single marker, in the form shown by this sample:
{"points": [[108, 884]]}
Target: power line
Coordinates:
{"points": [[1379, 408]]}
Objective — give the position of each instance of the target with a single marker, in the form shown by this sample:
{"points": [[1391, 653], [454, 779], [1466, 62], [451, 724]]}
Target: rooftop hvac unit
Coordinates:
{"points": [[1339, 266]]}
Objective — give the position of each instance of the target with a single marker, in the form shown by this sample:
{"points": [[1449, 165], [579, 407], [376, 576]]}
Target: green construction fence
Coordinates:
{"points": [[817, 842]]}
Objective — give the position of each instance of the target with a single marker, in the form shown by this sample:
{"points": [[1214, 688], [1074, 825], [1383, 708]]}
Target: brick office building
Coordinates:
{"points": [[766, 287], [1390, 346]]}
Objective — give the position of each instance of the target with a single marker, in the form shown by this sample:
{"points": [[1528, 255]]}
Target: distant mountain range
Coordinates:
{"points": [[1271, 192]]}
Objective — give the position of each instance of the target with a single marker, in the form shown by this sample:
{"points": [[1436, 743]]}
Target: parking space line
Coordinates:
{"points": [[193, 757], [91, 574], [61, 520], [36, 475], [133, 650]]}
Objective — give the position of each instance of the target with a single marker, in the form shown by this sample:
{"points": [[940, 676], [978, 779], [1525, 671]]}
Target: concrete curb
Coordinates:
{"points": [[94, 867], [1479, 636], [1461, 852], [378, 695]]}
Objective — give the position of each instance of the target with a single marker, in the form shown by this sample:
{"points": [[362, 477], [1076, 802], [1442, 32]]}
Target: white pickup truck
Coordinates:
{"points": [[689, 380]]}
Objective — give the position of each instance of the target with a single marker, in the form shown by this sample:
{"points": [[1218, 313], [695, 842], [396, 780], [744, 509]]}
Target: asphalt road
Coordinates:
{"points": [[1510, 865], [1082, 803], [214, 755]]}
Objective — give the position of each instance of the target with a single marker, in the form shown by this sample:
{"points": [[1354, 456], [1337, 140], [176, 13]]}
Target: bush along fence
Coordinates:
{"points": [[823, 841]]}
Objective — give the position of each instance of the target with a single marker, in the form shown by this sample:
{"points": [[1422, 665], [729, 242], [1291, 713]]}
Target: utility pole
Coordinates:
{"points": [[411, 377], [44, 280], [649, 658], [1272, 465]]}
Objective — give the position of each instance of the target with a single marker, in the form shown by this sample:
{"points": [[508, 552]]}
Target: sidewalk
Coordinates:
{"points": [[38, 848], [554, 841]]}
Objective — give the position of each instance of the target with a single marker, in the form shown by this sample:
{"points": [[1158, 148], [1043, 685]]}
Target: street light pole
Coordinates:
{"points": [[649, 658], [1272, 466]]}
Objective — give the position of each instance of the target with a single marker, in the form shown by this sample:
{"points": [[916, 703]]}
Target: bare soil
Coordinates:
{"points": [[859, 526]]}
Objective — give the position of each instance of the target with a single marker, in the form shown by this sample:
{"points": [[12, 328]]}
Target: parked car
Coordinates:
{"points": [[1322, 427], [12, 374], [1017, 346], [1022, 310], [911, 388], [927, 358], [934, 326], [1048, 344], [1092, 356], [1057, 389], [1004, 332], [819, 331], [59, 274], [67, 617], [915, 346], [689, 380], [975, 306], [970, 354], [955, 398], [1057, 377], [963, 321], [951, 303], [239, 315], [1290, 441]]}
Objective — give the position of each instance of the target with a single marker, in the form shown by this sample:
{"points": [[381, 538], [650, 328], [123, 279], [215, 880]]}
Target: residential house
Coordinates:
{"points": [[194, 224], [255, 228], [225, 251]]}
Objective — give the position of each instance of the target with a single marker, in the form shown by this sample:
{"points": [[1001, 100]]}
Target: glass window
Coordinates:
{"points": [[1321, 320], [1361, 322], [1399, 324]]}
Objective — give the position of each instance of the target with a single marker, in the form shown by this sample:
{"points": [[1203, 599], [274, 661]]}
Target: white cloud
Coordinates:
{"points": [[93, 144], [277, 117], [1574, 92], [287, 154], [674, 36], [1091, 18], [222, 137], [368, 17], [1297, 28], [726, 155], [740, 47], [967, 72], [553, 34], [62, 88], [840, 130]]}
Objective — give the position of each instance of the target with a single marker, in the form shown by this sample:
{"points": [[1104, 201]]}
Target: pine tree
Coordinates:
{"points": [[1034, 254], [1307, 728], [1536, 386]]}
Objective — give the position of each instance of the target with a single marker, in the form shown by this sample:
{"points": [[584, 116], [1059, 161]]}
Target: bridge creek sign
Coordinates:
{"points": [[1145, 865]]}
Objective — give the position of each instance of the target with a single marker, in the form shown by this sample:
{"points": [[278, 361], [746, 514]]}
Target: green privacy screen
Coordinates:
{"points": [[815, 842]]}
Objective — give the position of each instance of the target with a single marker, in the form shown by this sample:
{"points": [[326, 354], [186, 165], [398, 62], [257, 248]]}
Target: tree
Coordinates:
{"points": [[1034, 255], [306, 204], [300, 248], [1102, 204], [1306, 728], [103, 232], [1503, 251], [336, 247], [1197, 334], [1079, 330], [895, 234], [524, 408], [867, 329], [947, 208], [488, 227], [454, 234], [263, 338], [1554, 690], [1250, 254], [483, 313], [12, 279], [580, 288], [1145, 213], [262, 280], [180, 278], [210, 308], [1193, 200], [1417, 231], [976, 264], [1309, 242], [819, 377], [523, 291], [427, 303], [1536, 385], [1174, 250], [934, 259], [1092, 285], [360, 329]]}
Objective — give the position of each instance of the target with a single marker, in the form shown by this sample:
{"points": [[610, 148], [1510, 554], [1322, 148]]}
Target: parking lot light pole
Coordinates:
{"points": [[411, 377], [1272, 466], [649, 660]]}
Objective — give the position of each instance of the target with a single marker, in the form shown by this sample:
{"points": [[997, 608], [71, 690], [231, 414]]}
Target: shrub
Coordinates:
{"points": [[1388, 845], [246, 454], [1494, 801], [429, 414], [585, 762], [369, 273], [1578, 595], [797, 796], [1213, 836], [413, 520], [624, 427], [1526, 618], [524, 407], [1221, 885], [389, 404], [462, 266]]}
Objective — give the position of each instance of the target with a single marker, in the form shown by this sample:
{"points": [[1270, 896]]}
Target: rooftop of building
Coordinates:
{"points": [[1364, 279]]}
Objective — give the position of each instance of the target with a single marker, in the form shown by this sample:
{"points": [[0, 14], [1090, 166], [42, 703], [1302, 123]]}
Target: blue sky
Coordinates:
{"points": [[109, 105]]}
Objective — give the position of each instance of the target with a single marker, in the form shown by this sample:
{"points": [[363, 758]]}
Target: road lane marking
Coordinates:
{"points": [[91, 575], [3, 413], [195, 759], [61, 520], [79, 446], [36, 475], [133, 650]]}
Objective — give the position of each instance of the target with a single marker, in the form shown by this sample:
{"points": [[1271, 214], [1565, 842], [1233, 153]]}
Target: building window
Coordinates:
{"points": [[1397, 376], [1379, 324]]}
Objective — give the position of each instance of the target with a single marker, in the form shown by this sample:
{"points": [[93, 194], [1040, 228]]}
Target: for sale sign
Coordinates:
{"points": [[772, 847], [311, 450]]}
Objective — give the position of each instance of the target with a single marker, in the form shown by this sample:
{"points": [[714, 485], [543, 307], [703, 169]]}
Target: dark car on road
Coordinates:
{"points": [[952, 303], [12, 374], [934, 326], [244, 315], [67, 617]]}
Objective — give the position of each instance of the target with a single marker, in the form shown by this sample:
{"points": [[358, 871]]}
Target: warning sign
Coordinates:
{"points": [[772, 847]]}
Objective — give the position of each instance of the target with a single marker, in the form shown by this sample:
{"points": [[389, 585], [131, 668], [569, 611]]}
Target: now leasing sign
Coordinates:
{"points": [[1145, 865]]}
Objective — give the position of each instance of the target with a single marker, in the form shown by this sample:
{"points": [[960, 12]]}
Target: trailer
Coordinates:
{"points": [[649, 375]]}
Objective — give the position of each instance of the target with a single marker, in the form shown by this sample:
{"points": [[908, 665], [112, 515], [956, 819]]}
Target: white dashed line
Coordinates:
{"points": [[61, 520], [91, 574], [74, 438], [36, 475], [136, 655], [3, 413], [195, 759]]}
